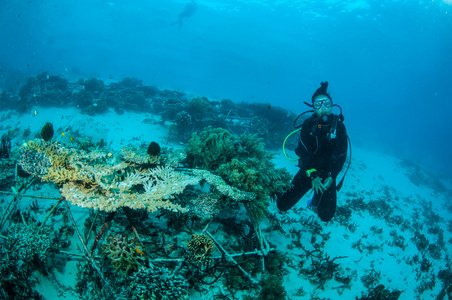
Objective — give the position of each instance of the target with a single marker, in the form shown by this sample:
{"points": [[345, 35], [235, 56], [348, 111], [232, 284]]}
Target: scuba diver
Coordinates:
{"points": [[322, 151], [188, 11]]}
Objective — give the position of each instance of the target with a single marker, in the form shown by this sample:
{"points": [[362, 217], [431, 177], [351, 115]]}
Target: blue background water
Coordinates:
{"points": [[388, 62]]}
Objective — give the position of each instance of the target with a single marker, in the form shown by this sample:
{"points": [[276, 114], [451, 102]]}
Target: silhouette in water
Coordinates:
{"points": [[188, 11]]}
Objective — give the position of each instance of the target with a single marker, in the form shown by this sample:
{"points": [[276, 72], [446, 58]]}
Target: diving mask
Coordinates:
{"points": [[319, 102]]}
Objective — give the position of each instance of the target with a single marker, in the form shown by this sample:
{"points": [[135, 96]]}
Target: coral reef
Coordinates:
{"points": [[156, 283], [45, 89], [241, 161], [93, 96], [200, 249], [210, 148], [24, 250], [28, 242], [90, 179], [200, 108], [122, 252]]}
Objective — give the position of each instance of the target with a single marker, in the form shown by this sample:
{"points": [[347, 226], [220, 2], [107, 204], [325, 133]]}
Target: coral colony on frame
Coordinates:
{"points": [[152, 222]]}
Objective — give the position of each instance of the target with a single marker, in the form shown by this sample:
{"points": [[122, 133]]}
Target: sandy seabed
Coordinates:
{"points": [[372, 237]]}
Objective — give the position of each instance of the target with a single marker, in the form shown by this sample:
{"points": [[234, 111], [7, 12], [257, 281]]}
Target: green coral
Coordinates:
{"points": [[243, 162], [200, 108], [210, 148], [122, 253], [272, 288]]}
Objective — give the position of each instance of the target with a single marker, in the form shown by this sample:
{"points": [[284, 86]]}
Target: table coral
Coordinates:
{"points": [[89, 179]]}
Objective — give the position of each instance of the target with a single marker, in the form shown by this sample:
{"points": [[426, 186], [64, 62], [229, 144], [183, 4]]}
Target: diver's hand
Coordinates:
{"points": [[317, 185], [327, 183]]}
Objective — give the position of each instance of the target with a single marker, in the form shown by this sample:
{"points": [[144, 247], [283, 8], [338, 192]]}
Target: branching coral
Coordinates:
{"points": [[210, 148], [155, 283], [219, 194], [160, 185], [25, 242], [93, 180], [122, 253], [242, 161], [222, 187]]}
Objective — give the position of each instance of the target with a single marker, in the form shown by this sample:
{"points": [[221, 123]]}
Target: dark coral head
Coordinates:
{"points": [[47, 131], [153, 149]]}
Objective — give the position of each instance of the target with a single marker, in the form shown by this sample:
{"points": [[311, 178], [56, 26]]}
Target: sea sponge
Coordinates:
{"points": [[47, 131], [154, 149]]}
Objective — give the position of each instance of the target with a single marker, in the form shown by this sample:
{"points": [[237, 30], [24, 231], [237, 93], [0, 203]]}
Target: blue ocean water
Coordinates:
{"points": [[388, 62]]}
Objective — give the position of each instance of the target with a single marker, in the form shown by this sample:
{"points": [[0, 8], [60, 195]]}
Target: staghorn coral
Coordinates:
{"points": [[168, 157], [258, 176], [200, 249], [155, 283], [207, 205], [160, 185], [23, 251], [137, 156], [25, 242], [106, 181], [221, 186]]}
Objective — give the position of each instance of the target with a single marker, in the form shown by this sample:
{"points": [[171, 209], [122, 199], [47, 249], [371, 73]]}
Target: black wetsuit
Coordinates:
{"points": [[318, 151]]}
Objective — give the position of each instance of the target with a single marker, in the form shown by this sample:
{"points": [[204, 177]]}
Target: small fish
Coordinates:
{"points": [[63, 134], [71, 138], [139, 251], [35, 112], [12, 131]]}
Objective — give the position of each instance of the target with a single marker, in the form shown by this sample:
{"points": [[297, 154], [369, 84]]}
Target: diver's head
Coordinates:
{"points": [[322, 101], [323, 106]]}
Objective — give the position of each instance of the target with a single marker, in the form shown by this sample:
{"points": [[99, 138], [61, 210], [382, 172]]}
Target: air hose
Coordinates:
{"points": [[284, 146]]}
